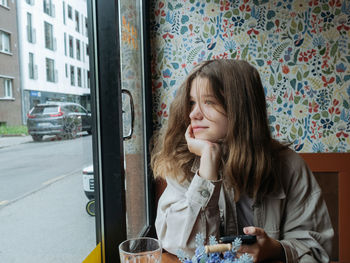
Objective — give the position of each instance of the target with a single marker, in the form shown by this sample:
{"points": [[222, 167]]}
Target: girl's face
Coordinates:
{"points": [[208, 118]]}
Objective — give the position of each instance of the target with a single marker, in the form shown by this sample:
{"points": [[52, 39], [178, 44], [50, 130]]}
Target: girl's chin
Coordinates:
{"points": [[205, 138]]}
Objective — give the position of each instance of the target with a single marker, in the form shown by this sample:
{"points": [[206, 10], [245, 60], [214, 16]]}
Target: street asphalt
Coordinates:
{"points": [[48, 225], [6, 141]]}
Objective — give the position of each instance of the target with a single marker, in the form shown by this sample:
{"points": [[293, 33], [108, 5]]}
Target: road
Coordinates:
{"points": [[44, 219], [30, 166]]}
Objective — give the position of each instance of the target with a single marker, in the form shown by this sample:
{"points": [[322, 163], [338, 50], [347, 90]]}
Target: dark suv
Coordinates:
{"points": [[58, 118]]}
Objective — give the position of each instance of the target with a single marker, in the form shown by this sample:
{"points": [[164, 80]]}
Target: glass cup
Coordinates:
{"points": [[140, 250]]}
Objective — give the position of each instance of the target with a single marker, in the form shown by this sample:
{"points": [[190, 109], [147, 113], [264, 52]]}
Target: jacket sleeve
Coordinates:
{"points": [[185, 210], [307, 232]]}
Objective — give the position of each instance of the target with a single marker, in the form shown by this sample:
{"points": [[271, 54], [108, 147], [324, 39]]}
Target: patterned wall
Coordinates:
{"points": [[300, 47]]}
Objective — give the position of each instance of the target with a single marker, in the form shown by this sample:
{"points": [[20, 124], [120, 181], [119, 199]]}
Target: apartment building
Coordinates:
{"points": [[10, 92], [54, 61]]}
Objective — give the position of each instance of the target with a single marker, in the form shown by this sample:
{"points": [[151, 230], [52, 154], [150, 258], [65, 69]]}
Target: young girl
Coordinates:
{"points": [[226, 176]]}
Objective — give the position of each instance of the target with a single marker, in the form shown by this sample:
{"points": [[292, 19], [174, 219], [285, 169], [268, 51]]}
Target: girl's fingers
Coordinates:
{"points": [[189, 132], [256, 231]]}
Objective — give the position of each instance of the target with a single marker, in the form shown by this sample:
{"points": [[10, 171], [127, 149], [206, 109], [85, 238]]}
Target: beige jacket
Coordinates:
{"points": [[296, 216]]}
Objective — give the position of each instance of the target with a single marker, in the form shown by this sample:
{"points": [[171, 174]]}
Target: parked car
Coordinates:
{"points": [[64, 119], [89, 189]]}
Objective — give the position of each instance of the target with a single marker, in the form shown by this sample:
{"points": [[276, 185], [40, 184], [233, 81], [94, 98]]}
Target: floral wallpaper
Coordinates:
{"points": [[300, 47]]}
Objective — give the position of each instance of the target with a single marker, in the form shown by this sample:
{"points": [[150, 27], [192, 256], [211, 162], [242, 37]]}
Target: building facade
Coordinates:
{"points": [[54, 61], [10, 92]]}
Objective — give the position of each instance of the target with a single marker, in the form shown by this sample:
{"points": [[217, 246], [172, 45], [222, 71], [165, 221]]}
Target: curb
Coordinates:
{"points": [[13, 135]]}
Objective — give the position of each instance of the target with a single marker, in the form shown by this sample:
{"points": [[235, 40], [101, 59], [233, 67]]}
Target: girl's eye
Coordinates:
{"points": [[209, 102], [192, 103]]}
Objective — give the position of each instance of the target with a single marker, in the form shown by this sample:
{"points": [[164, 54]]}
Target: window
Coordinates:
{"points": [[65, 44], [4, 42], [70, 12], [49, 36], [49, 7], [87, 49], [79, 77], [76, 21], [64, 12], [30, 2], [50, 70], [30, 31], [88, 78], [31, 65], [72, 76], [7, 87], [71, 50], [66, 69], [83, 49], [78, 49], [86, 27], [4, 3]]}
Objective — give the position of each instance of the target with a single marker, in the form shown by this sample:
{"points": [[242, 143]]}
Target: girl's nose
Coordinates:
{"points": [[196, 112]]}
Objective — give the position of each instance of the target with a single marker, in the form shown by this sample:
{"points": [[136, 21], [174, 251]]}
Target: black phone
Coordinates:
{"points": [[246, 239]]}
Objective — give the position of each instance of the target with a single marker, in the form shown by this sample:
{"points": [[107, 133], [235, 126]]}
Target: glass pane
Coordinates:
{"points": [[134, 148], [46, 177]]}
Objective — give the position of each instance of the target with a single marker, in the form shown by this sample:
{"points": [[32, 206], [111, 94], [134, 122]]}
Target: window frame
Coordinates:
{"points": [[72, 75], [8, 88], [48, 7], [107, 113], [49, 39], [71, 47], [70, 12], [4, 3], [64, 12], [77, 21], [50, 71], [4, 44], [78, 49], [79, 77], [31, 71]]}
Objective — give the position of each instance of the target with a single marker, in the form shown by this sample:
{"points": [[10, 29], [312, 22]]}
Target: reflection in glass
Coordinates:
{"points": [[134, 148]]}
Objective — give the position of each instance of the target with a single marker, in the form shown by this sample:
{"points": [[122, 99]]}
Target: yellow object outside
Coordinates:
{"points": [[94, 256]]}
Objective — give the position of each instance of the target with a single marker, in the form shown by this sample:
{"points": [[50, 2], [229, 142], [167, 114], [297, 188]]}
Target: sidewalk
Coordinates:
{"points": [[6, 141]]}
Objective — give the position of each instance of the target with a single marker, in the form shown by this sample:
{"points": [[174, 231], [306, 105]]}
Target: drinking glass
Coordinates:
{"points": [[140, 250]]}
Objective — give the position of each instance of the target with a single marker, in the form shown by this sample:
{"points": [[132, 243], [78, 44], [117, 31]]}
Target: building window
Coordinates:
{"points": [[30, 2], [72, 76], [4, 42], [87, 49], [78, 49], [30, 30], [88, 79], [49, 36], [31, 65], [65, 44], [86, 27], [4, 3], [76, 21], [6, 85], [70, 12], [49, 7], [64, 13], [66, 69], [71, 50], [79, 77], [50, 70]]}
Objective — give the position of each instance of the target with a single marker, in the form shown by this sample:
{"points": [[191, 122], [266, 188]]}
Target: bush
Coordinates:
{"points": [[13, 130]]}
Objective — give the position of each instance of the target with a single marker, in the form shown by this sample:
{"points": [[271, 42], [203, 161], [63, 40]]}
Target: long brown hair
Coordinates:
{"points": [[251, 156]]}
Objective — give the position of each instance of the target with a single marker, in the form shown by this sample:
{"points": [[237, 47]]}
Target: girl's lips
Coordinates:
{"points": [[198, 128]]}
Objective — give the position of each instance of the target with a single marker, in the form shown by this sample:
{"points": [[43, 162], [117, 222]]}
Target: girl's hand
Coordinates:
{"points": [[266, 248], [196, 146], [209, 152]]}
